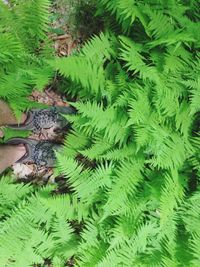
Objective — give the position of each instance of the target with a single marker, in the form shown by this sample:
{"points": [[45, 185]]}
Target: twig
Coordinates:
{"points": [[61, 37]]}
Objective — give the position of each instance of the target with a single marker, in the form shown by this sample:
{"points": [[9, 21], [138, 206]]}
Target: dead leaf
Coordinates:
{"points": [[22, 170]]}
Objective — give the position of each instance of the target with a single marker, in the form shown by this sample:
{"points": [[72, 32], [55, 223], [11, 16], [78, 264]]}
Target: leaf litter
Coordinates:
{"points": [[64, 45]]}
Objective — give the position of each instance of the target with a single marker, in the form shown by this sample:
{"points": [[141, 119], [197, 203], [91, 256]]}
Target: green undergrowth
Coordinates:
{"points": [[130, 165], [24, 48]]}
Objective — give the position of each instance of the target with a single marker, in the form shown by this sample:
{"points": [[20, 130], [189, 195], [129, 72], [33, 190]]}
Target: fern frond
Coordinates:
{"points": [[171, 196], [142, 236], [13, 85], [190, 214], [168, 150], [126, 12], [195, 97], [174, 38], [82, 71], [118, 154], [128, 177], [40, 77], [11, 50], [11, 194], [138, 243], [173, 63], [69, 167], [62, 234], [31, 27], [98, 48], [130, 53], [140, 110], [99, 147], [184, 119], [195, 247], [97, 119], [160, 24], [75, 141], [95, 182]]}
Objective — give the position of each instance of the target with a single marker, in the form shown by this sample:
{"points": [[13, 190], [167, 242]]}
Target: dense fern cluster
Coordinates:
{"points": [[36, 229], [132, 161], [137, 123], [24, 45]]}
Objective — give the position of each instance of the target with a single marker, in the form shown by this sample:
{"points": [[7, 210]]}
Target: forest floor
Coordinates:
{"points": [[64, 44]]}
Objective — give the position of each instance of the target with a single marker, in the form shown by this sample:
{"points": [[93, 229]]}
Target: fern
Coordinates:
{"points": [[32, 28], [23, 27], [81, 70], [125, 184], [131, 161], [126, 12], [141, 121], [134, 61], [35, 230], [165, 27], [103, 48]]}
